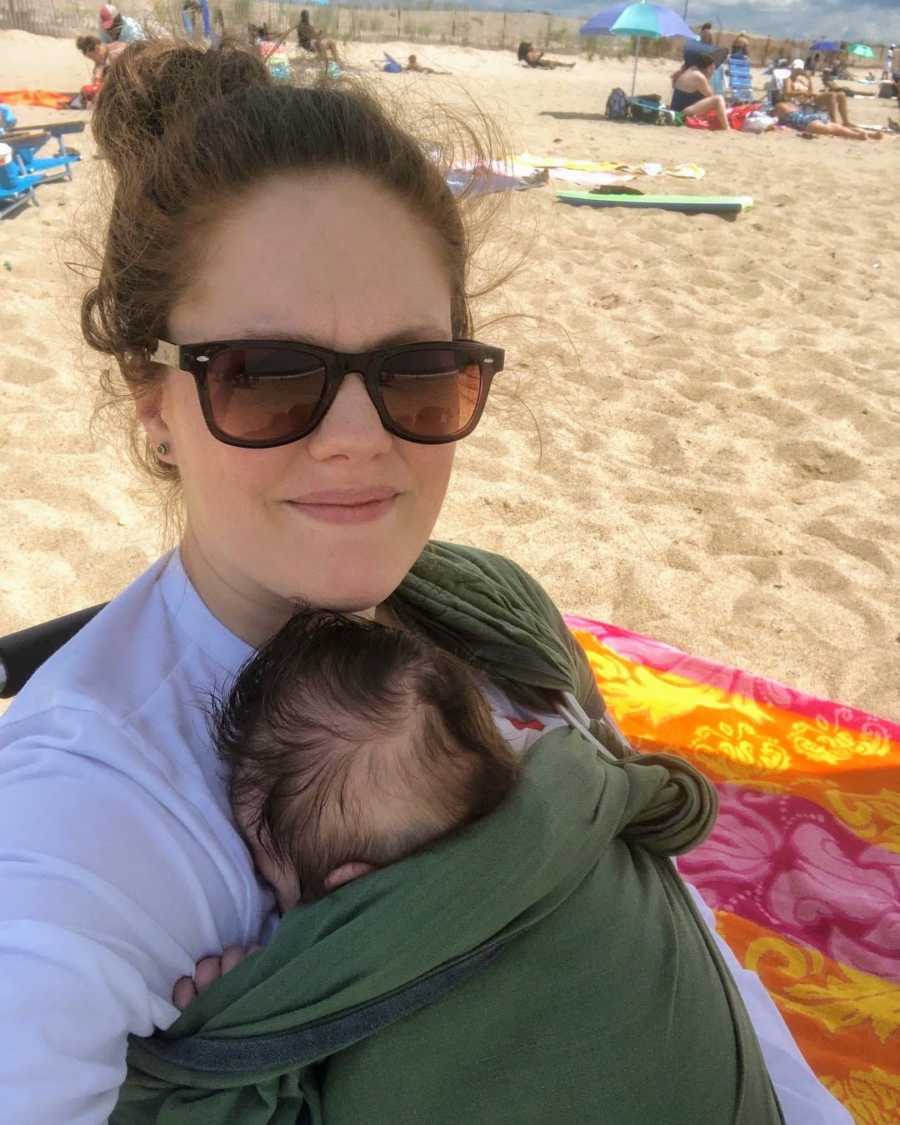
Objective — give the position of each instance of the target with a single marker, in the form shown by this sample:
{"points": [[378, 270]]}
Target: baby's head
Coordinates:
{"points": [[351, 746]]}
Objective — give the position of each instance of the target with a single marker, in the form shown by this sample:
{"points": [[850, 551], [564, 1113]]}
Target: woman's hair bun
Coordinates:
{"points": [[155, 85]]}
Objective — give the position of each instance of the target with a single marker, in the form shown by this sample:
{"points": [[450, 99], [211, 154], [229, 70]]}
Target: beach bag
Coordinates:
{"points": [[617, 105], [645, 110]]}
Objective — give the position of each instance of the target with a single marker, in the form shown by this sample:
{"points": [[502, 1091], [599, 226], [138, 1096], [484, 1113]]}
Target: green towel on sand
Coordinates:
{"points": [[545, 965]]}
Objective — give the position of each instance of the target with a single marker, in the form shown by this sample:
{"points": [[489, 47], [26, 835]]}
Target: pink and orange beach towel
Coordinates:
{"points": [[803, 867]]}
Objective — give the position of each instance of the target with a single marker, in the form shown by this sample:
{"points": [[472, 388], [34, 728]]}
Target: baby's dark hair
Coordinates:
{"points": [[335, 720], [87, 43]]}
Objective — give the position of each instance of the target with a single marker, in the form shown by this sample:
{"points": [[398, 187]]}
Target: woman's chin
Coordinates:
{"points": [[351, 592]]}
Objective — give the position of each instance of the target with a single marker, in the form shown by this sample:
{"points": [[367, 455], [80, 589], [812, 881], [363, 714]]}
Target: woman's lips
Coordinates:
{"points": [[351, 506]]}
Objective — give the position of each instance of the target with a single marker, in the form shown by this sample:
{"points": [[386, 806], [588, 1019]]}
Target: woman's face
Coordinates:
{"points": [[329, 259]]}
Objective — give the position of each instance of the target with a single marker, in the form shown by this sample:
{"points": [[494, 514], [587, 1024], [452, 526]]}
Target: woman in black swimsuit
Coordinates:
{"points": [[691, 89]]}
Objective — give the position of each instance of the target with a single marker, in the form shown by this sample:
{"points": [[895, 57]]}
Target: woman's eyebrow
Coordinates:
{"points": [[413, 334]]}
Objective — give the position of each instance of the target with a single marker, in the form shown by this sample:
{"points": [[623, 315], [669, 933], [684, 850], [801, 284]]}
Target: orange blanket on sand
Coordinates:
{"points": [[47, 99], [803, 867]]}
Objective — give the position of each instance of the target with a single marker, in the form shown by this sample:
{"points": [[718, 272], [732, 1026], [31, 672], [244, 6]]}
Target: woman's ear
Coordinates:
{"points": [[148, 405]]}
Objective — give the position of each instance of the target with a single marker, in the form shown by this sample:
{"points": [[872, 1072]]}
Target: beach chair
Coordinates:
{"points": [[17, 188], [27, 142], [22, 653], [740, 81]]}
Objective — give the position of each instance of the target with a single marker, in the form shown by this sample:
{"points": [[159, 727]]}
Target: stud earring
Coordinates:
{"points": [[163, 448]]}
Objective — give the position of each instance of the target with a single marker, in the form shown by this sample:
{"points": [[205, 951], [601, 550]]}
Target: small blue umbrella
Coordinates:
{"points": [[640, 21], [826, 45]]}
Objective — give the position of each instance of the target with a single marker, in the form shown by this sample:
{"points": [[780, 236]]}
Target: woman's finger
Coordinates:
{"points": [[208, 970], [232, 956], [183, 993]]}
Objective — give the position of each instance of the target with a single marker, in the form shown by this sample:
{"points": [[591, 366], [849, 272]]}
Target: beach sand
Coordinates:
{"points": [[702, 442]]}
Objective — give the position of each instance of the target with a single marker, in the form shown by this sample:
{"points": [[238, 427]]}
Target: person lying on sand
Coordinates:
{"points": [[808, 119], [691, 91], [413, 65], [799, 87], [529, 54]]}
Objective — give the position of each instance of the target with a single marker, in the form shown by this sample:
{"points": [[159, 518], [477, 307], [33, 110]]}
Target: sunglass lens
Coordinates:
{"points": [[431, 393], [264, 394]]}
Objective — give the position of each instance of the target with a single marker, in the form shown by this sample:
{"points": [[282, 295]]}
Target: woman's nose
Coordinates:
{"points": [[351, 428]]}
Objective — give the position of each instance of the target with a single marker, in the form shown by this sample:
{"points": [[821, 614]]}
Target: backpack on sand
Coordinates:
{"points": [[617, 105]]}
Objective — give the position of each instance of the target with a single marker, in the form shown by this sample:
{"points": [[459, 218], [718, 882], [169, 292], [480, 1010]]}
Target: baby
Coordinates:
{"points": [[351, 745]]}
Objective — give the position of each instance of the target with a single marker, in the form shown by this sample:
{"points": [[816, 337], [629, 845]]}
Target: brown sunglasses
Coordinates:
{"points": [[263, 393]]}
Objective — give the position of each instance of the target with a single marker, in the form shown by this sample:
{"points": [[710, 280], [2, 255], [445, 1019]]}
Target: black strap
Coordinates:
{"points": [[295, 1049], [21, 654]]}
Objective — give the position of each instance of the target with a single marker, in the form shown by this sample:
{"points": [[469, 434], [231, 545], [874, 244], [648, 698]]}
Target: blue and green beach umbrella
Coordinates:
{"points": [[640, 21]]}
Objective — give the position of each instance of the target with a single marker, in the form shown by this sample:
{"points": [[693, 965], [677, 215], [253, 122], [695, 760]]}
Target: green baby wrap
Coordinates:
{"points": [[544, 965]]}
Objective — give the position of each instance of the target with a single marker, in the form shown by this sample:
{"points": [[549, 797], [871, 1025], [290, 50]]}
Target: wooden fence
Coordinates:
{"points": [[467, 27]]}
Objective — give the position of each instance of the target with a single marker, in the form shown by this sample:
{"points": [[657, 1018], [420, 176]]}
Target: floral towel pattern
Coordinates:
{"points": [[803, 867]]}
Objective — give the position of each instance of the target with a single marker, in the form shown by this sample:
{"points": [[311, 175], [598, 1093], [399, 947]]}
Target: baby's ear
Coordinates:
{"points": [[346, 873]]}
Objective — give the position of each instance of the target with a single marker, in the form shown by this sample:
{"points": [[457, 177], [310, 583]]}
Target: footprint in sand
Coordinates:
{"points": [[813, 460], [864, 549], [19, 369]]}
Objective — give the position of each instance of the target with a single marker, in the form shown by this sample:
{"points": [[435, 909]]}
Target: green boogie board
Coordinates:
{"points": [[689, 204]]}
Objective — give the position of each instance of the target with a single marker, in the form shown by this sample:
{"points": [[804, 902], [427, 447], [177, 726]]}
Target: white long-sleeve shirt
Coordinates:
{"points": [[120, 866]]}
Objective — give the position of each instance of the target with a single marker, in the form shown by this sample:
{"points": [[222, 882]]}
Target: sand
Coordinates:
{"points": [[705, 441]]}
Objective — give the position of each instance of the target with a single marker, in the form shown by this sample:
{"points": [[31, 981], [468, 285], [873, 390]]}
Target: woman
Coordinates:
{"points": [[691, 90], [311, 470]]}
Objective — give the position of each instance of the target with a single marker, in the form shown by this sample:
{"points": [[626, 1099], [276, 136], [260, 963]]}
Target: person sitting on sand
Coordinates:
{"points": [[816, 122], [740, 48], [102, 56], [691, 91], [313, 40], [529, 54], [798, 86], [116, 28]]}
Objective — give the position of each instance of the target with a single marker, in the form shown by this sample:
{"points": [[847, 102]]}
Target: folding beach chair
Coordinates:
{"points": [[17, 188], [740, 81], [27, 142]]}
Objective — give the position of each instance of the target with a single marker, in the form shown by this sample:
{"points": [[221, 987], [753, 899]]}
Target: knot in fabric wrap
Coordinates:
{"points": [[681, 812]]}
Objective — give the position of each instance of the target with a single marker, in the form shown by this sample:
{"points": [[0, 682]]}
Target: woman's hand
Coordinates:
{"points": [[209, 969]]}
